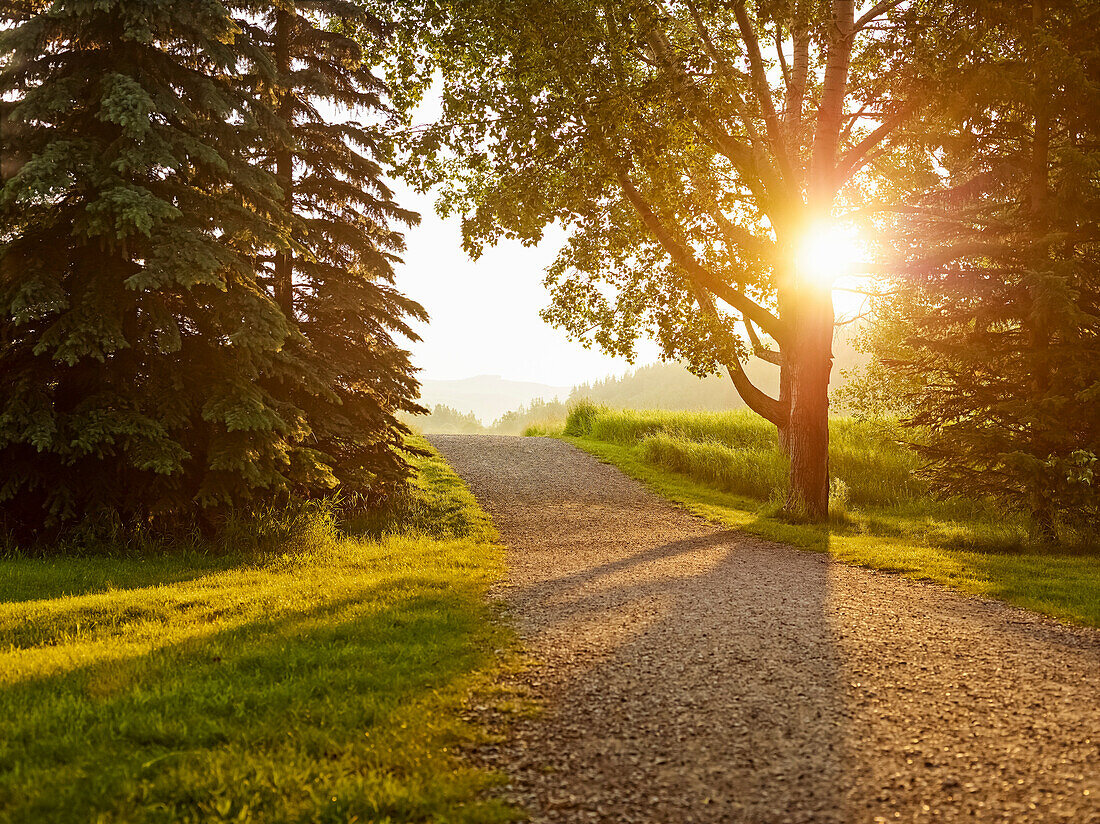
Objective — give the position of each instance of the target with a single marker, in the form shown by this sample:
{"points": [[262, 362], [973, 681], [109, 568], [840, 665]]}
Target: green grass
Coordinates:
{"points": [[323, 680], [881, 518]]}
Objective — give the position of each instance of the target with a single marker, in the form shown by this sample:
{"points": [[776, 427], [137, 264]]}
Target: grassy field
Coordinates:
{"points": [[726, 467], [321, 680]]}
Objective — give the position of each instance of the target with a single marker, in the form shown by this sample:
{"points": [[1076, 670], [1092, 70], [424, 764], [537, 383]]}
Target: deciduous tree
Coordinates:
{"points": [[689, 146]]}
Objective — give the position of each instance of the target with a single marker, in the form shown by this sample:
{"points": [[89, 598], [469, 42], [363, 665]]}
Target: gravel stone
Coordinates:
{"points": [[691, 673]]}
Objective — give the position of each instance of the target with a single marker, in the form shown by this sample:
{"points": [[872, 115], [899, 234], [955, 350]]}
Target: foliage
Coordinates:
{"points": [[149, 367], [653, 133], [335, 278], [1001, 366], [876, 389], [127, 272], [321, 680]]}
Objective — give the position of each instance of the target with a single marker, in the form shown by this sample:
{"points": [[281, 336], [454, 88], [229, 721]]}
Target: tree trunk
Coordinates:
{"points": [[284, 161], [811, 358], [810, 364]]}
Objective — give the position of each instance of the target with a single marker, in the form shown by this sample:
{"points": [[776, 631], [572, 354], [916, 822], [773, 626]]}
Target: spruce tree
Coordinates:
{"points": [[137, 345], [336, 280], [1003, 293]]}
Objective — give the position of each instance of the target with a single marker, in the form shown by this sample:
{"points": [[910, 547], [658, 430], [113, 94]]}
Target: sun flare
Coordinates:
{"points": [[827, 252]]}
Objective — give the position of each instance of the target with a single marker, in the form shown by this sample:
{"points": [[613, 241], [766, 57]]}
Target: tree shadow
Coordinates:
{"points": [[719, 691], [690, 672], [301, 714], [34, 579]]}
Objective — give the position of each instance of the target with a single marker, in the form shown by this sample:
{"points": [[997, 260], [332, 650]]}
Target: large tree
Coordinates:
{"points": [[1002, 296], [150, 365], [335, 280], [690, 147], [133, 327]]}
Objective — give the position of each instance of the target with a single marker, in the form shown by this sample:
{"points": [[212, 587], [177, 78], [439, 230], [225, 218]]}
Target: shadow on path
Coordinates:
{"points": [[695, 674]]}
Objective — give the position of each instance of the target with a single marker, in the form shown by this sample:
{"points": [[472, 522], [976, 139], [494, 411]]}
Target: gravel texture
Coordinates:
{"points": [[695, 674]]}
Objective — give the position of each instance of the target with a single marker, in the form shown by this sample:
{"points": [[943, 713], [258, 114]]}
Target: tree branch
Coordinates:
{"points": [[683, 257], [763, 90], [782, 59], [758, 348], [757, 400], [876, 10], [833, 91], [858, 155], [751, 162]]}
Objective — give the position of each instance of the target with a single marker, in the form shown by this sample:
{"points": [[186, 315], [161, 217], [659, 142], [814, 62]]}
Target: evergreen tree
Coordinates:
{"points": [[137, 347], [1003, 293], [336, 280]]}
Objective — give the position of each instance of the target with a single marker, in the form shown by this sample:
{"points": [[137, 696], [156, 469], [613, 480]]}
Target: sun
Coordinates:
{"points": [[827, 252]]}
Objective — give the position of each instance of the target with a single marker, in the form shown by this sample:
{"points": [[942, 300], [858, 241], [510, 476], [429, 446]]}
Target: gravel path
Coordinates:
{"points": [[694, 674]]}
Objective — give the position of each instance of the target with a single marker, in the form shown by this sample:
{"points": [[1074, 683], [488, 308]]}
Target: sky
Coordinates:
{"points": [[485, 314]]}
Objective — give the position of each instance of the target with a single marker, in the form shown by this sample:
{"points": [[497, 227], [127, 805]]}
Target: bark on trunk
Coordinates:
{"points": [[785, 402], [811, 363]]}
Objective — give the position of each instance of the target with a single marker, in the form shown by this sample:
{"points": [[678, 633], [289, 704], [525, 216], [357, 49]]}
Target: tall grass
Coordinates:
{"points": [[754, 473], [739, 429], [738, 451]]}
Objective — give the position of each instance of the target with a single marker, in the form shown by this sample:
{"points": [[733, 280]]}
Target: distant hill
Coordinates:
{"points": [[487, 396], [506, 407]]}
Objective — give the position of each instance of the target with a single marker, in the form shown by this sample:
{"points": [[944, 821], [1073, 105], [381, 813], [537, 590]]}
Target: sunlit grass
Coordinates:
{"points": [[882, 517], [321, 682]]}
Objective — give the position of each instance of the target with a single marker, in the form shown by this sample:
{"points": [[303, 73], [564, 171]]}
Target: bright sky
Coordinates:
{"points": [[485, 315]]}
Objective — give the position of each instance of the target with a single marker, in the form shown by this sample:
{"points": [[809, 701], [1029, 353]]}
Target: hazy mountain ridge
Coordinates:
{"points": [[506, 406], [487, 396]]}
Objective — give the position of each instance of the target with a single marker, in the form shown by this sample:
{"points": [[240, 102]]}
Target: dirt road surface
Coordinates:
{"points": [[694, 674]]}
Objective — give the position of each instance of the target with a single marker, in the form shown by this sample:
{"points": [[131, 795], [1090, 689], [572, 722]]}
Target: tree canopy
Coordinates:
{"points": [[688, 147]]}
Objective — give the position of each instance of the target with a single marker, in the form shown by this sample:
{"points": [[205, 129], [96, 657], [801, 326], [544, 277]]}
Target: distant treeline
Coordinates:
{"points": [[447, 420], [656, 386]]}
